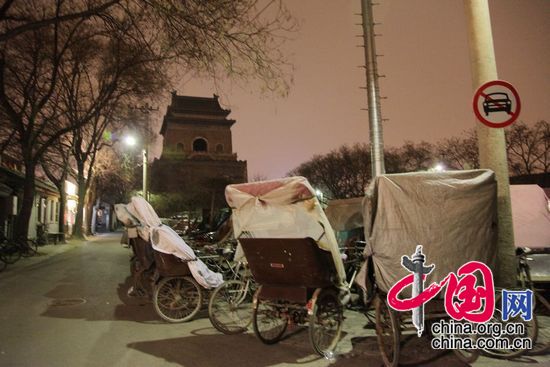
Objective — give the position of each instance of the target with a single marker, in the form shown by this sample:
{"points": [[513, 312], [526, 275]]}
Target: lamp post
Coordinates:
{"points": [[131, 141]]}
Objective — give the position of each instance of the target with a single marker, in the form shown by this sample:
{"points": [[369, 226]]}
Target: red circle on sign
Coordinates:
{"points": [[479, 93]]}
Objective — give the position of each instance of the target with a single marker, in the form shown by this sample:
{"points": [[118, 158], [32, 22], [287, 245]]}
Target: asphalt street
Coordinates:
{"points": [[69, 306]]}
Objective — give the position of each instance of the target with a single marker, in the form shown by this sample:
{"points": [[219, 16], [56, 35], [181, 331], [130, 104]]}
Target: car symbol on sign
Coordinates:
{"points": [[497, 102]]}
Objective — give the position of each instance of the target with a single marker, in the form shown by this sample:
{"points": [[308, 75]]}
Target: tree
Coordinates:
{"points": [[18, 17], [104, 74], [342, 173], [57, 166], [415, 156], [29, 71], [459, 152], [528, 148], [41, 39]]}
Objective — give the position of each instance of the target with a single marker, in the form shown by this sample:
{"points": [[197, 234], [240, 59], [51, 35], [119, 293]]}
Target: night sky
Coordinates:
{"points": [[428, 84]]}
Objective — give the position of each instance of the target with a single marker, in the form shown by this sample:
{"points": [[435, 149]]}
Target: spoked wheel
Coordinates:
{"points": [[27, 247], [325, 322], [9, 253], [388, 333], [268, 321], [230, 307], [542, 344], [530, 328], [177, 299], [467, 355]]}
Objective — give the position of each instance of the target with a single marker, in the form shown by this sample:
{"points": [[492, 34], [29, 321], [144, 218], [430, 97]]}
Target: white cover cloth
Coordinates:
{"points": [[164, 239], [283, 208], [531, 216]]}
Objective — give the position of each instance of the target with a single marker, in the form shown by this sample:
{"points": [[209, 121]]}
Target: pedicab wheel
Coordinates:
{"points": [[464, 355], [268, 322], [325, 322], [177, 299], [530, 331], [467, 355], [230, 307], [388, 333]]}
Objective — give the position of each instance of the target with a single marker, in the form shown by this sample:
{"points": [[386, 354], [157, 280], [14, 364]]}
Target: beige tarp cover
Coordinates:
{"points": [[451, 214], [283, 208], [531, 215], [345, 214]]}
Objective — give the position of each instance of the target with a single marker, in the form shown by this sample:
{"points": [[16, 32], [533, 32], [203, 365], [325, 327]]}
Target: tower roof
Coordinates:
{"points": [[189, 109]]}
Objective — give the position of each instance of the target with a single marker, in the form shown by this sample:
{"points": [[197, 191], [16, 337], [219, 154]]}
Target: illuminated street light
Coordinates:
{"points": [[132, 141], [319, 194], [439, 167]]}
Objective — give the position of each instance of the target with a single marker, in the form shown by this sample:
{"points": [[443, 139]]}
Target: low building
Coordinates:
{"points": [[45, 212]]}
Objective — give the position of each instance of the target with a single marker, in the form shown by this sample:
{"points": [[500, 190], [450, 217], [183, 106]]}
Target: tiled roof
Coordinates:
{"points": [[195, 108], [191, 104]]}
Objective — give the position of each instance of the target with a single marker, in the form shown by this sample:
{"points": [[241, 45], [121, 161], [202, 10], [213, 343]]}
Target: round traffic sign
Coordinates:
{"points": [[496, 104]]}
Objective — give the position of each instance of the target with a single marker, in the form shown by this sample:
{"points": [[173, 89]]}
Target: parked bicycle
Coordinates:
{"points": [[230, 305]]}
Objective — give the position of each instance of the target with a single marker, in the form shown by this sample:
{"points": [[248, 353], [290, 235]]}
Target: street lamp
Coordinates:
{"points": [[132, 141], [439, 167]]}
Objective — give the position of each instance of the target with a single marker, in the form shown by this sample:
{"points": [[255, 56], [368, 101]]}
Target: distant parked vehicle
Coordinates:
{"points": [[497, 102]]}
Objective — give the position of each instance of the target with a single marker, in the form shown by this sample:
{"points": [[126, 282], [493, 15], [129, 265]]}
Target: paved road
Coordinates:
{"points": [[68, 307]]}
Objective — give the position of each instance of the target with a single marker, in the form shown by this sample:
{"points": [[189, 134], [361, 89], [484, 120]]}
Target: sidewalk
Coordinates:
{"points": [[51, 250]]}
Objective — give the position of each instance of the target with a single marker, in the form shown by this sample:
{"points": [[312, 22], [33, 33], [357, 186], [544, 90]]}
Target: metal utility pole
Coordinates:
{"points": [[145, 155], [373, 91], [491, 142]]}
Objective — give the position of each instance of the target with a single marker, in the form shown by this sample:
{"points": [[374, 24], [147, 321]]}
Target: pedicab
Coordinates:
{"points": [[161, 258], [294, 258], [452, 215]]}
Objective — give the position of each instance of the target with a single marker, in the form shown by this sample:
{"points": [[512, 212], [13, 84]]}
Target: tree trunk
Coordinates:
{"points": [[79, 219], [62, 201], [89, 206], [24, 217]]}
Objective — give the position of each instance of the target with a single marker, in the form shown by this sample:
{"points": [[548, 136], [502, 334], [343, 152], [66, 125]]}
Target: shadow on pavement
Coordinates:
{"points": [[414, 352], [138, 309], [222, 350]]}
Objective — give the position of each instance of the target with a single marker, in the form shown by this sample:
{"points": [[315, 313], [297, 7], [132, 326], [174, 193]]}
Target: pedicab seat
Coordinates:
{"points": [[170, 265], [289, 268]]}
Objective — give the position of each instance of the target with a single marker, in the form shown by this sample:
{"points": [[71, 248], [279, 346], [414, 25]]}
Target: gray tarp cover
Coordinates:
{"points": [[345, 214], [451, 214]]}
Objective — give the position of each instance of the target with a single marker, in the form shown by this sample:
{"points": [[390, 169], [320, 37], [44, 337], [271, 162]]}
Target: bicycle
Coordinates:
{"points": [[230, 305], [27, 246], [540, 304]]}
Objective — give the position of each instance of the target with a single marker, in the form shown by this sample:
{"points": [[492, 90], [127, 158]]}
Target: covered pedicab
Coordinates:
{"points": [[294, 257], [452, 215], [164, 264]]}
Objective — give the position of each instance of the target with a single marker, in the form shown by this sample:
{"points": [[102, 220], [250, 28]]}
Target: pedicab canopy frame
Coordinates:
{"points": [[282, 209], [451, 214]]}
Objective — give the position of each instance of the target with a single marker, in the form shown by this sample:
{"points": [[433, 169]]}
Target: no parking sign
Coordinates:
{"points": [[497, 104]]}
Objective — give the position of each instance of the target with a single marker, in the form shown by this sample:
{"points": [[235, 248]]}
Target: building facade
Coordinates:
{"points": [[197, 160]]}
